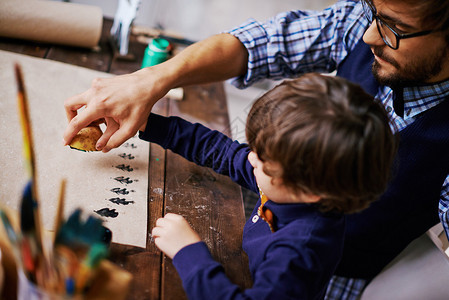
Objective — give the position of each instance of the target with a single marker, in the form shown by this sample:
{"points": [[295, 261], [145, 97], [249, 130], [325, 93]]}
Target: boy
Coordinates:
{"points": [[319, 147]]}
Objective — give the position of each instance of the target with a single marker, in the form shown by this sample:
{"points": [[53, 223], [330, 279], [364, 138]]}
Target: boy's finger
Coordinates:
{"points": [[156, 232], [172, 216]]}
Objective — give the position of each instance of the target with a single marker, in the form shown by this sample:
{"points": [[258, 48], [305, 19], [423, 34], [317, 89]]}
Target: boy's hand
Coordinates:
{"points": [[172, 233]]}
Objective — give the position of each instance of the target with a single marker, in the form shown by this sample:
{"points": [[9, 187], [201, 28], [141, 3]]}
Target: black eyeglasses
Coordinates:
{"points": [[390, 37]]}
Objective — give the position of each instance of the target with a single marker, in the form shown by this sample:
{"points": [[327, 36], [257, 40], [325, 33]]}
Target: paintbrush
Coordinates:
{"points": [[10, 232], [31, 248], [28, 150], [12, 235], [52, 270], [60, 211]]}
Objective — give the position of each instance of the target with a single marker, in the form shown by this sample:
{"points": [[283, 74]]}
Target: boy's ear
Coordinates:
{"points": [[310, 198], [305, 198]]}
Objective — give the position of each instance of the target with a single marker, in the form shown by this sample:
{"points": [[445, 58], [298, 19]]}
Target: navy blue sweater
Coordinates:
{"points": [[294, 262], [409, 206]]}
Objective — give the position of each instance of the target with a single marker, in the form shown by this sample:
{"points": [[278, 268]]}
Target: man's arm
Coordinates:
{"points": [[217, 58], [125, 101], [302, 41]]}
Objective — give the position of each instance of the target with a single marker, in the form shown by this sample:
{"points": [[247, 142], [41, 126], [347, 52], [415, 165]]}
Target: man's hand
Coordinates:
{"points": [[172, 233], [123, 102]]}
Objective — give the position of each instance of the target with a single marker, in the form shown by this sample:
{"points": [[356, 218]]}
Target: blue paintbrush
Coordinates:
{"points": [[31, 247], [12, 235]]}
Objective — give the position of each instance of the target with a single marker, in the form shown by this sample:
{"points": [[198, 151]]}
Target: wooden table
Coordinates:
{"points": [[210, 202]]}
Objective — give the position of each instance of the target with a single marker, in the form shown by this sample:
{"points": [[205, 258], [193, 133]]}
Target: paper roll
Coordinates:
{"points": [[51, 22]]}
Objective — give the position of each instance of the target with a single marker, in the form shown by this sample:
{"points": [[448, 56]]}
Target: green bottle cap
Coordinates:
{"points": [[155, 53]]}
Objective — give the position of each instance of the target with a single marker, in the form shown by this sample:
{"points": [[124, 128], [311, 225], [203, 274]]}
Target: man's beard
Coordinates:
{"points": [[414, 72]]}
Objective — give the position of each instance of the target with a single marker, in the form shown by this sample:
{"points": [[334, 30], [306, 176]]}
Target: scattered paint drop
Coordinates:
{"points": [[158, 191]]}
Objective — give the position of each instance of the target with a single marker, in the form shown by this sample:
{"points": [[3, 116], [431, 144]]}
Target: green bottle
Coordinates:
{"points": [[155, 53]]}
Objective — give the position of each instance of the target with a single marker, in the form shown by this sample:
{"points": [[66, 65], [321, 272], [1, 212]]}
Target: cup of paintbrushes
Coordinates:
{"points": [[108, 281], [75, 254]]}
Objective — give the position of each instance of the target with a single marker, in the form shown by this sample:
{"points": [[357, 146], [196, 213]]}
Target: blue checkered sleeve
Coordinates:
{"points": [[297, 42], [342, 288], [443, 208]]}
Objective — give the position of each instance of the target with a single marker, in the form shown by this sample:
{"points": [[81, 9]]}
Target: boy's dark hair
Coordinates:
{"points": [[329, 137]]}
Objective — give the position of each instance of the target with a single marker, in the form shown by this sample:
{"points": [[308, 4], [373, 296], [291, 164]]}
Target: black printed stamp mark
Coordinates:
{"points": [[127, 156], [129, 145], [121, 201], [120, 191], [125, 168], [106, 212], [124, 180]]}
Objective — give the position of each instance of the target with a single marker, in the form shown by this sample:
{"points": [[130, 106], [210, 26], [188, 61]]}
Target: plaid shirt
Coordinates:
{"points": [[298, 42]]}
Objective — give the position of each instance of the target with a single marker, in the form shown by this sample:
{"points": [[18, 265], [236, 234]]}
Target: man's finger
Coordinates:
{"points": [[83, 119], [111, 128], [120, 136], [73, 104]]}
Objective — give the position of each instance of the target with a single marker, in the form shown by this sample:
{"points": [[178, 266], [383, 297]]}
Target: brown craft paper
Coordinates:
{"points": [[51, 22], [91, 176]]}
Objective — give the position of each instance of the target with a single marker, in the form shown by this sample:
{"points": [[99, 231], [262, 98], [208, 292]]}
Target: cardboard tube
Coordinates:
{"points": [[51, 22]]}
